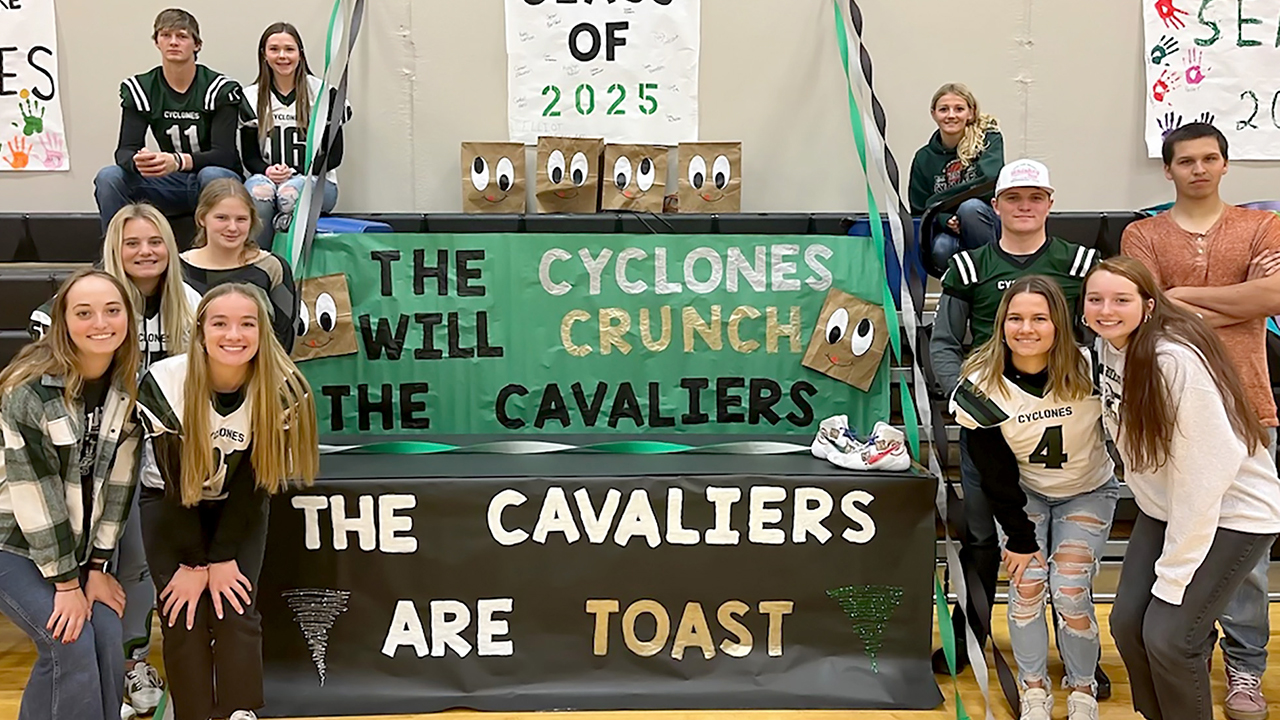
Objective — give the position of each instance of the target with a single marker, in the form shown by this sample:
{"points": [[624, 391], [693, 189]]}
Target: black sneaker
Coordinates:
{"points": [[282, 221], [939, 662], [1104, 684]]}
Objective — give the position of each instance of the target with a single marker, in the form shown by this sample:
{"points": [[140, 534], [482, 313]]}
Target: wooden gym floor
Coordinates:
{"points": [[17, 654]]}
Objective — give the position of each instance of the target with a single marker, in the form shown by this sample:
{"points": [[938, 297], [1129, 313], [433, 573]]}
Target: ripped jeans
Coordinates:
{"points": [[1074, 531]]}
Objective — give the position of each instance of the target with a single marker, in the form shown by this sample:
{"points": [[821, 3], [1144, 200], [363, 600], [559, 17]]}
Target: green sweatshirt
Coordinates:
{"points": [[936, 173]]}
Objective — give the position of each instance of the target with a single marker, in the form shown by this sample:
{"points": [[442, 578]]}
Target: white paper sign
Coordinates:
{"points": [[1214, 61], [31, 130], [623, 70]]}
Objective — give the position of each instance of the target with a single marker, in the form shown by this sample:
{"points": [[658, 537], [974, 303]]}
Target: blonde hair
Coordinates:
{"points": [[214, 193], [1069, 376], [56, 354], [284, 451], [974, 140], [175, 310]]}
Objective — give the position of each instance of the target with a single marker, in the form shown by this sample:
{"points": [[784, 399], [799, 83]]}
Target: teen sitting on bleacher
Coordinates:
{"points": [[191, 112], [138, 252], [966, 150], [971, 290], [274, 121], [224, 251]]}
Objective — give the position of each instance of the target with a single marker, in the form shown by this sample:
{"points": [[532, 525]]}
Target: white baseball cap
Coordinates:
{"points": [[1023, 173]]}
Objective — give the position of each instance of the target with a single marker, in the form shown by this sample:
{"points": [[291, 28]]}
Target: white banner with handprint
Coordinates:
{"points": [[625, 72], [32, 136], [1215, 62]]}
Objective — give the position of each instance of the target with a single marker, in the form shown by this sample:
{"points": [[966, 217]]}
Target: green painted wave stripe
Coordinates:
{"points": [[541, 447]]}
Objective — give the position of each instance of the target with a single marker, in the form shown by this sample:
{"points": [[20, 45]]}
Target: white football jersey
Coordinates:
{"points": [[160, 399], [1059, 444], [285, 144]]}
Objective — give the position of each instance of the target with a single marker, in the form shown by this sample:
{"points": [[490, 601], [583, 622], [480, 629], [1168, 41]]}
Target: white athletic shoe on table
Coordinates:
{"points": [[1081, 706], [243, 715], [833, 437], [127, 712], [1037, 704], [884, 451], [143, 688]]}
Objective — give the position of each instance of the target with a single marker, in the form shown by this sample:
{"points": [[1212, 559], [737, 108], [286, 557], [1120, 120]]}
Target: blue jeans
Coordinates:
{"points": [[270, 198], [174, 194], [1246, 624], [80, 681], [1072, 532], [979, 225]]}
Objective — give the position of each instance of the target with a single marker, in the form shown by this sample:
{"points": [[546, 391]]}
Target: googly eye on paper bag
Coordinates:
{"points": [[325, 328], [635, 178], [710, 177], [849, 340], [568, 178], [493, 179]]}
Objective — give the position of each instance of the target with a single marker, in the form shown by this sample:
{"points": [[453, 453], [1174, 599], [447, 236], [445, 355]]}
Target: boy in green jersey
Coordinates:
{"points": [[191, 112], [972, 287]]}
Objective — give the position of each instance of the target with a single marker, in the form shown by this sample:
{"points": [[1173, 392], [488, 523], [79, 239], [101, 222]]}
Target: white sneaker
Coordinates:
{"points": [[886, 451], [243, 715], [127, 712], [143, 688], [1037, 704], [832, 437], [1081, 706]]}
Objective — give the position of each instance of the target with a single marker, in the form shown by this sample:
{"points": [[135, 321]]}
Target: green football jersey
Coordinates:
{"points": [[180, 122], [980, 277]]}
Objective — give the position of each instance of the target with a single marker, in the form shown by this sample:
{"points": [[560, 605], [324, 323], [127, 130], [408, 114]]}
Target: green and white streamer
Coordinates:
{"points": [[542, 447]]}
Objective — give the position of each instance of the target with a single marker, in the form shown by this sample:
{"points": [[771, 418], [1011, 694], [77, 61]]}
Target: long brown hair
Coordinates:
{"points": [[266, 81], [974, 140], [55, 354], [175, 310], [1068, 369], [214, 193], [1150, 412], [282, 413]]}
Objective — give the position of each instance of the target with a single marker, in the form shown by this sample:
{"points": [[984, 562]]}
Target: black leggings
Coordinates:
{"points": [[215, 668], [1165, 647]]}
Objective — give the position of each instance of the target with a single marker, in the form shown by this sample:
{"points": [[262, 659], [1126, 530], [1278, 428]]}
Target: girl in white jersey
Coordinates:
{"points": [[274, 122], [1036, 439], [232, 422], [1196, 459]]}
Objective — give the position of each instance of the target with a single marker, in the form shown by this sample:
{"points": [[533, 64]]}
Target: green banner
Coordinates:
{"points": [[530, 334]]}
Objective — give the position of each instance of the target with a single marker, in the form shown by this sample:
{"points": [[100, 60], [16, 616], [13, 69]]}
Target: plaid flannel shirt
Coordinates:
{"points": [[41, 505]]}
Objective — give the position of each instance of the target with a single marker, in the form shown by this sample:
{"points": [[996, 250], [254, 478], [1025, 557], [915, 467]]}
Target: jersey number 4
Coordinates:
{"points": [[1049, 451]]}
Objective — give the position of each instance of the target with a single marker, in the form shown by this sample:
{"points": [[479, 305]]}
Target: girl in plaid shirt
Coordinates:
{"points": [[70, 449]]}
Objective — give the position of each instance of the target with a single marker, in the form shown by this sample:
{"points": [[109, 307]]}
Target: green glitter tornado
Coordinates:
{"points": [[869, 609]]}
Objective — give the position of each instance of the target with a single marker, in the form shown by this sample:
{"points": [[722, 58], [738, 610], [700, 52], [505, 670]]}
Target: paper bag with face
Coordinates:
{"points": [[710, 177], [493, 178], [568, 174], [325, 328], [849, 340], [635, 178]]}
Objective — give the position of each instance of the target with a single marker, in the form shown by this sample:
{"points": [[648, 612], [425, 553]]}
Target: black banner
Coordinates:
{"points": [[539, 583]]}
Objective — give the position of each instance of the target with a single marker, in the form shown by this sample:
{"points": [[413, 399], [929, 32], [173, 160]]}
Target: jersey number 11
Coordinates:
{"points": [[187, 141]]}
